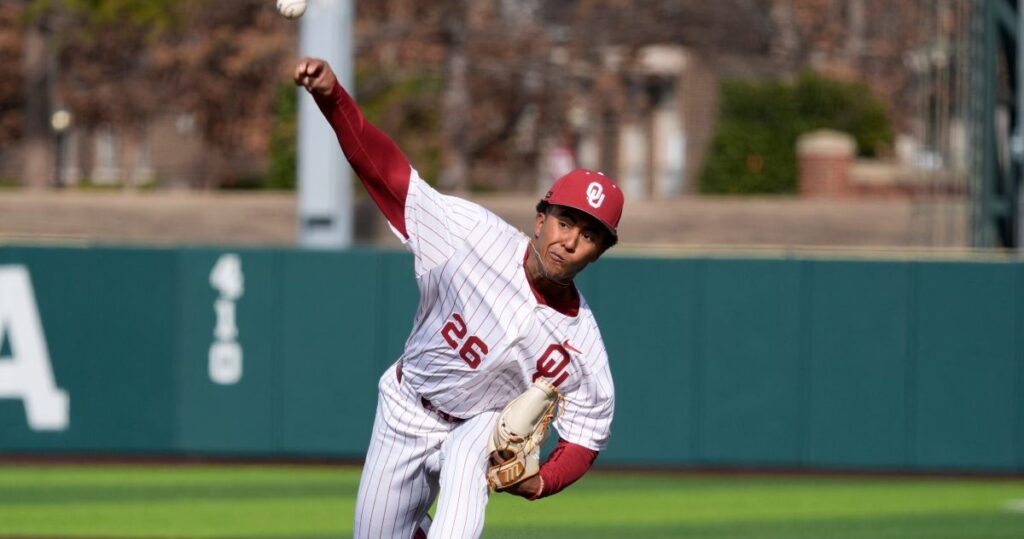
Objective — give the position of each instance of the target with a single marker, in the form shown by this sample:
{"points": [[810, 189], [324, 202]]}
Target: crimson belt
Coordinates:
{"points": [[427, 404]]}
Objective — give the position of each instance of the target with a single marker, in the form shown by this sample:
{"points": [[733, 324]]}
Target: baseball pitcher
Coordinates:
{"points": [[502, 345]]}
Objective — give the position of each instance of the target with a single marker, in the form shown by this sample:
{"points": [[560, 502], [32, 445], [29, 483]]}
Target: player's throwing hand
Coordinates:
{"points": [[315, 75]]}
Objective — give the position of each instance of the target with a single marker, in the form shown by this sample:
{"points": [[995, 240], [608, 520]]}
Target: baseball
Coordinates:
{"points": [[293, 9]]}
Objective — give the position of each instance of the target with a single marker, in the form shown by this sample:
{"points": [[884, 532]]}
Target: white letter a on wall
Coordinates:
{"points": [[27, 374]]}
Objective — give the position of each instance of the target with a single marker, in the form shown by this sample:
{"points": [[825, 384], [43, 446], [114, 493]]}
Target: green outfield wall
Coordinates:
{"points": [[790, 363]]}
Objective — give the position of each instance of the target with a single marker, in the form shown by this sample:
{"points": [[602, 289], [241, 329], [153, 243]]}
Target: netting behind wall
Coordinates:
{"points": [[940, 131]]}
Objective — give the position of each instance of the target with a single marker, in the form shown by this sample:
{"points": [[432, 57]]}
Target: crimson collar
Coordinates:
{"points": [[569, 307]]}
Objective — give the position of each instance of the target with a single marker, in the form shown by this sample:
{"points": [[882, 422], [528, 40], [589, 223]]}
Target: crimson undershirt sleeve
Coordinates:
{"points": [[381, 166], [567, 463]]}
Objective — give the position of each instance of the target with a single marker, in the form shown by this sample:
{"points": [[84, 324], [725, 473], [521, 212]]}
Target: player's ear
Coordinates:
{"points": [[538, 224]]}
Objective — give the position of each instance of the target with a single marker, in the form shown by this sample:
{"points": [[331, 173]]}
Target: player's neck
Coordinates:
{"points": [[549, 287], [565, 300]]}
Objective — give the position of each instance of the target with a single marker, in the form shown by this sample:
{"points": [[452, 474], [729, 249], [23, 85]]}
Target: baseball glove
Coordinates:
{"points": [[520, 431]]}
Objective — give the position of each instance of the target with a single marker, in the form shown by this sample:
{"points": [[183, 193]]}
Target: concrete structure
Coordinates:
{"points": [[220, 218], [823, 159], [828, 168]]}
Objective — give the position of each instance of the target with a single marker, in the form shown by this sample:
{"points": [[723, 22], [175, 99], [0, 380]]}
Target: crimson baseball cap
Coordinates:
{"points": [[590, 192]]}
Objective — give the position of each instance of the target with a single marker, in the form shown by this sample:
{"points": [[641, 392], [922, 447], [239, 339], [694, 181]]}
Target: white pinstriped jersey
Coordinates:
{"points": [[480, 337]]}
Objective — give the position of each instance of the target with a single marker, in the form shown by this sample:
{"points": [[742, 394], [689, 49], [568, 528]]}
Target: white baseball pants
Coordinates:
{"points": [[416, 456]]}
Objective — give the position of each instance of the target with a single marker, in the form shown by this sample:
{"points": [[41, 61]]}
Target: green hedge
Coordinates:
{"points": [[754, 148], [283, 166]]}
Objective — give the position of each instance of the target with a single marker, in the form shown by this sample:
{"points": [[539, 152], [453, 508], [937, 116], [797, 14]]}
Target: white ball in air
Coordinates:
{"points": [[293, 9]]}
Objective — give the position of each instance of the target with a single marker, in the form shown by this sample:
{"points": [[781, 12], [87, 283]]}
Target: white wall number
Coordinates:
{"points": [[225, 357]]}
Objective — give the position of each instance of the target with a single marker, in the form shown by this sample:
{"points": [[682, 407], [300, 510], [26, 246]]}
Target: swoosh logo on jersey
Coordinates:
{"points": [[570, 347]]}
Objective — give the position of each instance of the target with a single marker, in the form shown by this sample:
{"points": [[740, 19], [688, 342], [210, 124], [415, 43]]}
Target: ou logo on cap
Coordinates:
{"points": [[595, 194]]}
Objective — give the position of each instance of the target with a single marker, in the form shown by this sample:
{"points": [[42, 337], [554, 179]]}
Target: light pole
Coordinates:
{"points": [[60, 122], [325, 179]]}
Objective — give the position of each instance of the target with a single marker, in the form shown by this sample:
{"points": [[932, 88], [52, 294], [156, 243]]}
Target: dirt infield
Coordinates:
{"points": [[201, 218]]}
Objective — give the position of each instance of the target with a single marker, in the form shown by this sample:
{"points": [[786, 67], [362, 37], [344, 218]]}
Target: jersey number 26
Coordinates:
{"points": [[472, 350]]}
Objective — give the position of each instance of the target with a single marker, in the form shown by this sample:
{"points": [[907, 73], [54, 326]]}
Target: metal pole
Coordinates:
{"points": [[984, 217], [325, 179], [1018, 135]]}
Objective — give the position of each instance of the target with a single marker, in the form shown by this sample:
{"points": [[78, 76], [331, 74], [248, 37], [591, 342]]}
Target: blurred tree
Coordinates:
{"points": [[754, 148], [281, 172], [514, 70], [489, 59], [869, 40], [850, 107], [455, 104], [11, 95], [124, 63], [471, 89], [404, 102], [36, 77], [52, 28], [226, 68], [504, 93]]}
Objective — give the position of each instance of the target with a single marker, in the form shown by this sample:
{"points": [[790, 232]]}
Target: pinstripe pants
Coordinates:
{"points": [[416, 456]]}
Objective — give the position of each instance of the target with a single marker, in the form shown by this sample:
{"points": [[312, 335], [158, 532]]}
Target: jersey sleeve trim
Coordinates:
{"points": [[567, 463]]}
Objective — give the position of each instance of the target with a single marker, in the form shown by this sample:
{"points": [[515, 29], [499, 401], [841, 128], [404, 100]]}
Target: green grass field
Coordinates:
{"points": [[307, 502]]}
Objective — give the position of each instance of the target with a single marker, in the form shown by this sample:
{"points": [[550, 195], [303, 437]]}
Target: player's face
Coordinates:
{"points": [[568, 240]]}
